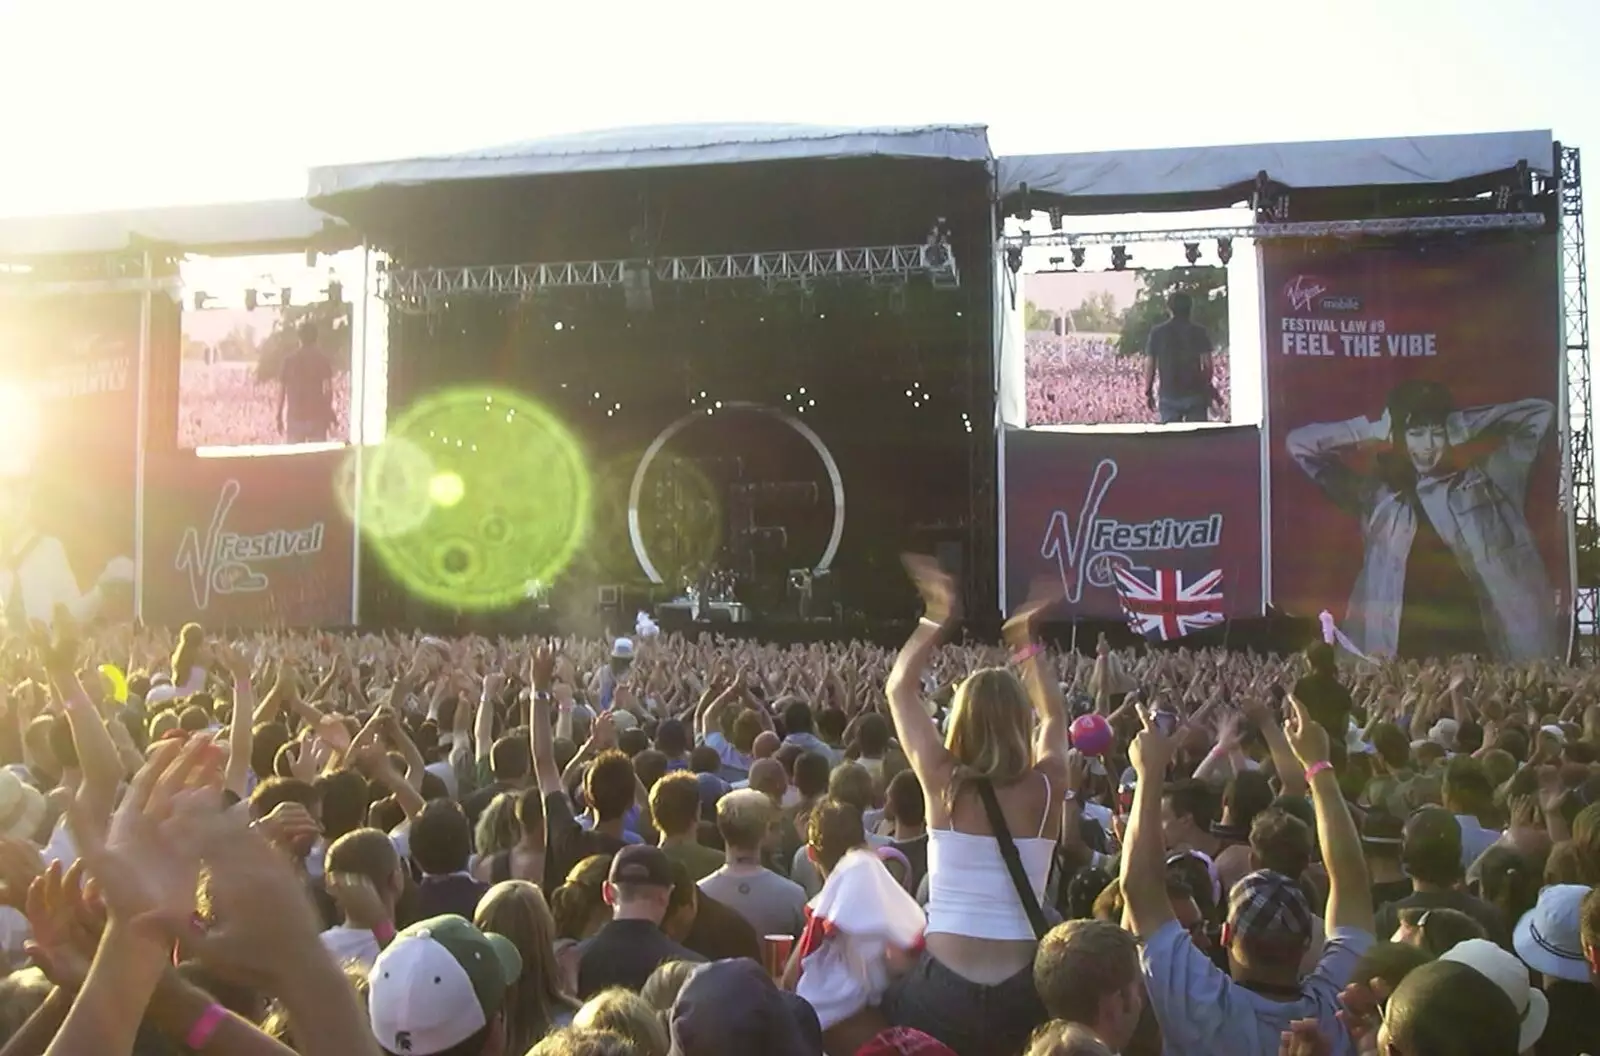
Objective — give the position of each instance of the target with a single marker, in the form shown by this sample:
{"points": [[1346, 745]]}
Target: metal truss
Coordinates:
{"points": [[1580, 399], [799, 267], [1297, 229]]}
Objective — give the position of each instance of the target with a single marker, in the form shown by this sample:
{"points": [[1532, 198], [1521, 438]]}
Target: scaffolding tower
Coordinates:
{"points": [[1580, 403]]}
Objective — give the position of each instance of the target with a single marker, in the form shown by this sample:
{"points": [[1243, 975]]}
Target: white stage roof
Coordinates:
{"points": [[284, 225], [1337, 163], [666, 146]]}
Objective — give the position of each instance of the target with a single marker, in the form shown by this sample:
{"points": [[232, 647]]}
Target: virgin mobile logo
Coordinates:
{"points": [[1093, 548], [224, 562], [1303, 291]]}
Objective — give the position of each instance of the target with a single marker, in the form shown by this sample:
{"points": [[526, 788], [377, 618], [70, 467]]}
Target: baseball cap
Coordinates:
{"points": [[437, 984], [1505, 971], [622, 649], [1444, 732], [1382, 829], [640, 863], [1269, 905], [733, 1008], [904, 1041], [1548, 937]]}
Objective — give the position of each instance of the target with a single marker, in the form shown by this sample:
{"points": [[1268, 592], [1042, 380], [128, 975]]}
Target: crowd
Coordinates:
{"points": [[1080, 379], [222, 404], [346, 844]]}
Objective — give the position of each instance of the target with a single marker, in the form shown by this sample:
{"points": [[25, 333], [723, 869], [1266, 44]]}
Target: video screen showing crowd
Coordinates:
{"points": [[1126, 347]]}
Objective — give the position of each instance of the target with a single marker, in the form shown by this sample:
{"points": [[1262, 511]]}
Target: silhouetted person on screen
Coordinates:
{"points": [[1179, 354], [305, 404]]}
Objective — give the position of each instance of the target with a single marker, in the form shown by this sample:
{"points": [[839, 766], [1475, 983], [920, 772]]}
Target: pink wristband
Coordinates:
{"points": [[204, 1027], [1316, 768], [384, 933]]}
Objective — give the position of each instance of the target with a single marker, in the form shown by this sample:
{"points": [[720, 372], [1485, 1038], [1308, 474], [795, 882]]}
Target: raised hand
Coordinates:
{"points": [[148, 873], [20, 865], [66, 923], [542, 668], [1151, 751], [940, 599], [1307, 738]]}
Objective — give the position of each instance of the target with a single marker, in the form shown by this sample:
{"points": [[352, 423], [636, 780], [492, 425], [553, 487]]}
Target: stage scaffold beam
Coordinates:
{"points": [[1298, 229], [1580, 400], [899, 264]]}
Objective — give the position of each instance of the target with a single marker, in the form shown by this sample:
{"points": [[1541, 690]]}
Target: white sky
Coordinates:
{"points": [[181, 101], [171, 101]]}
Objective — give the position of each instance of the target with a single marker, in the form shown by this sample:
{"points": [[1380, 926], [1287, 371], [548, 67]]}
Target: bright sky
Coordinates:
{"points": [[182, 101], [173, 101]]}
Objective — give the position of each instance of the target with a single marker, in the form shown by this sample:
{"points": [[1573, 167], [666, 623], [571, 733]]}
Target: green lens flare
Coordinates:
{"points": [[503, 494]]}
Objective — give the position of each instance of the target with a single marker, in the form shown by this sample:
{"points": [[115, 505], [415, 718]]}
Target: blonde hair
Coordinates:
{"points": [[516, 909], [990, 732], [498, 829], [626, 1013], [1066, 1039], [579, 901], [744, 818], [661, 990]]}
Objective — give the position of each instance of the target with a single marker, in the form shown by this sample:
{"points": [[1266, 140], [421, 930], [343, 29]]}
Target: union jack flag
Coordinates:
{"points": [[1170, 606]]}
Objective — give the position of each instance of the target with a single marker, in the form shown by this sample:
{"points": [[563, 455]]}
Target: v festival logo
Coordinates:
{"points": [[223, 562]]}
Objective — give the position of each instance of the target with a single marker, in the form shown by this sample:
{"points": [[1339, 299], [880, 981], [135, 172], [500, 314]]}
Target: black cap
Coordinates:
{"points": [[640, 863]]}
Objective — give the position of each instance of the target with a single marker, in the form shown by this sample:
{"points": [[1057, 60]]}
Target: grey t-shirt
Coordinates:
{"points": [[772, 904], [1177, 346]]}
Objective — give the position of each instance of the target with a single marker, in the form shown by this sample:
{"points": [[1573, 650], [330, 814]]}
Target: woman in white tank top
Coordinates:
{"points": [[973, 989]]}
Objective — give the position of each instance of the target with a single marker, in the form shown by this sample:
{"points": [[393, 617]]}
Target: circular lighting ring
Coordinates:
{"points": [[636, 536]]}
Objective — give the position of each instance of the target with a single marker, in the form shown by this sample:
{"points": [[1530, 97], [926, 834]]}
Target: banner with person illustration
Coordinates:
{"points": [[1163, 508], [247, 542], [69, 368], [1414, 443]]}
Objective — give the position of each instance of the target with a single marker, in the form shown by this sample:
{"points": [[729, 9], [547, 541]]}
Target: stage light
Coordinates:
{"points": [[1055, 218], [559, 325], [1191, 252], [311, 258], [250, 301], [284, 298], [201, 299], [802, 390], [1224, 249], [1119, 258], [1077, 256], [1014, 258]]}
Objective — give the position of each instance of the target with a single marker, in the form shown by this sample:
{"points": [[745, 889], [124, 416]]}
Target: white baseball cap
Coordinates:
{"points": [[622, 649], [437, 984], [1509, 974]]}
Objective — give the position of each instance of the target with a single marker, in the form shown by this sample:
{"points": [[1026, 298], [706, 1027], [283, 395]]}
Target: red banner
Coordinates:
{"points": [[68, 413], [1081, 505], [246, 542], [1413, 396]]}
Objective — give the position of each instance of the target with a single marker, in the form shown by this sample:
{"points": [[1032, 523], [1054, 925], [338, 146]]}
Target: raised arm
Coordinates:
{"points": [[1349, 886], [1144, 886], [918, 735], [541, 675], [1040, 678], [1518, 427], [1319, 450], [240, 731]]}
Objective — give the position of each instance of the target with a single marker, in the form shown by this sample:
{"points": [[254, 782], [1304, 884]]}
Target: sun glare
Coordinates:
{"points": [[19, 424]]}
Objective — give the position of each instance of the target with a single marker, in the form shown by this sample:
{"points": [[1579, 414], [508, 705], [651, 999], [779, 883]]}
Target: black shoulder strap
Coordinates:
{"points": [[1013, 860]]}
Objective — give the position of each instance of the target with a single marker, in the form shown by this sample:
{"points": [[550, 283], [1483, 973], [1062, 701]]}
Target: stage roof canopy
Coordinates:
{"points": [[287, 225], [1210, 177], [668, 146]]}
